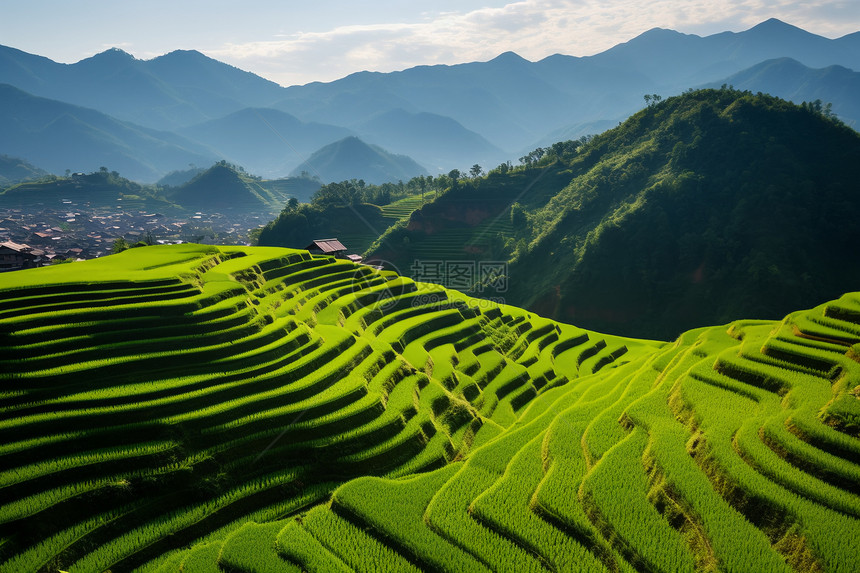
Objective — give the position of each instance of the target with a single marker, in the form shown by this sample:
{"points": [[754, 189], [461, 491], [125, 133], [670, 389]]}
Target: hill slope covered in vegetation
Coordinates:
{"points": [[225, 186], [194, 408], [700, 209], [351, 158], [14, 170], [99, 189]]}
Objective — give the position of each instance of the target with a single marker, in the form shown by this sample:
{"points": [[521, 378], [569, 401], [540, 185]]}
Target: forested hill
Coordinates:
{"points": [[700, 209], [223, 186]]}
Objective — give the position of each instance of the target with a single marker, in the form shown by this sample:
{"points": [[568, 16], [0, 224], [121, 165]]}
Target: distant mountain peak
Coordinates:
{"points": [[658, 31], [110, 57], [185, 54], [655, 37], [774, 25], [509, 57], [352, 158], [115, 53]]}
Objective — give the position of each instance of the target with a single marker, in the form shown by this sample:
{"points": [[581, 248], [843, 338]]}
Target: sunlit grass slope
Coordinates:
{"points": [[192, 408], [158, 396]]}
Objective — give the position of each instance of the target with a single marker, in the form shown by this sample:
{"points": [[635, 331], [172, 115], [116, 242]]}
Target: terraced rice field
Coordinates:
{"points": [[192, 408], [465, 243], [403, 207]]}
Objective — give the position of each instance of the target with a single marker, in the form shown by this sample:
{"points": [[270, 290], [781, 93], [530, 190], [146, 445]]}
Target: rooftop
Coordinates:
{"points": [[327, 245]]}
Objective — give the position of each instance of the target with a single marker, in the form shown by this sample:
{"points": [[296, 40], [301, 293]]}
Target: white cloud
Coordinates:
{"points": [[532, 28]]}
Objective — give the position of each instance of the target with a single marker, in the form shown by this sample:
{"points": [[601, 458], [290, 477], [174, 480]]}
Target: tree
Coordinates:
{"points": [[819, 108], [476, 171], [518, 217], [442, 182], [422, 184], [563, 149], [292, 204], [454, 174], [652, 99], [119, 245], [533, 156]]}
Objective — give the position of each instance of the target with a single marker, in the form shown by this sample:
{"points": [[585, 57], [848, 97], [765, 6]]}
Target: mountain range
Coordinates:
{"points": [[174, 90], [58, 136], [699, 209], [514, 102], [265, 141], [442, 116]]}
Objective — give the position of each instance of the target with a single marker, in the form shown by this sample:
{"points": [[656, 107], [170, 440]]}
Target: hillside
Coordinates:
{"points": [[180, 177], [193, 408], [352, 211], [302, 188], [716, 195], [351, 158], [223, 186], [791, 80], [433, 140], [15, 170], [265, 141], [356, 226], [58, 136], [100, 189]]}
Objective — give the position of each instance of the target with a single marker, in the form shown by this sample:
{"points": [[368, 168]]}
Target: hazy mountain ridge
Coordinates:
{"points": [[438, 140], [176, 89], [265, 141], [487, 112], [513, 102], [789, 79], [14, 170], [352, 158], [61, 136], [678, 61]]}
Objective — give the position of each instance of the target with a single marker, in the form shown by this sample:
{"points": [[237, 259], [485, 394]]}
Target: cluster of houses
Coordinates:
{"points": [[33, 238], [17, 256]]}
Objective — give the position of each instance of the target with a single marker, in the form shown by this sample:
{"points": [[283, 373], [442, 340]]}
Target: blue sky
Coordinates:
{"points": [[321, 40]]}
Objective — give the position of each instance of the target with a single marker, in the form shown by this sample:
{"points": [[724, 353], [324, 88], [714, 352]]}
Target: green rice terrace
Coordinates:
{"points": [[197, 408]]}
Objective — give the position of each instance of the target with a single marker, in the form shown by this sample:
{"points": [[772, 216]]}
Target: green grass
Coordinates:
{"points": [[191, 408]]}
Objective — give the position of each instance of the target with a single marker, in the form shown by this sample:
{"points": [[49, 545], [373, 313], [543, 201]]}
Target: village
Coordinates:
{"points": [[32, 238]]}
